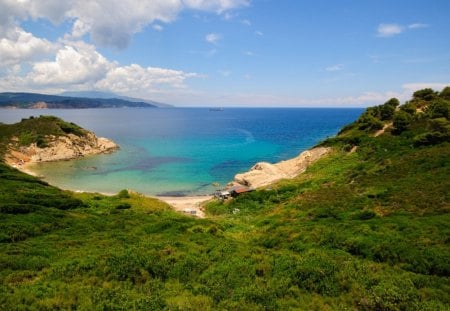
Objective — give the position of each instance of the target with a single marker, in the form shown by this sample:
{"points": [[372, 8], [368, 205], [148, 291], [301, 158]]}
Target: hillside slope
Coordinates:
{"points": [[365, 228]]}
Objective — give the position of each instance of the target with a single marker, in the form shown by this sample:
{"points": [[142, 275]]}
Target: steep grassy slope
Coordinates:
{"points": [[366, 228]]}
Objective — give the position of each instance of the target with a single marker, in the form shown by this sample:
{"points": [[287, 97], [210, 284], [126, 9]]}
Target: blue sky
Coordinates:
{"points": [[347, 53]]}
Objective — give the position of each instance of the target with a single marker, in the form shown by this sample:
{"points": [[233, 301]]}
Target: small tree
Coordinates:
{"points": [[401, 121], [445, 93], [439, 109], [394, 102], [425, 94]]}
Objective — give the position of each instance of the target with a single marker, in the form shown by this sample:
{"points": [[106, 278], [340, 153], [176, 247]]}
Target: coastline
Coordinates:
{"points": [[260, 175]]}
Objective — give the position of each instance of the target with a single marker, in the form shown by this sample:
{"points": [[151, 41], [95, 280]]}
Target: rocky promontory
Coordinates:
{"points": [[47, 139], [60, 148], [263, 173]]}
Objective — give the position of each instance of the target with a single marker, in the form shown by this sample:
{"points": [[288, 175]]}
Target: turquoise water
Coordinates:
{"points": [[184, 151]]}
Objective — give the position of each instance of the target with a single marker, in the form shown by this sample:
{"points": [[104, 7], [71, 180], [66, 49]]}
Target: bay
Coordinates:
{"points": [[183, 151]]}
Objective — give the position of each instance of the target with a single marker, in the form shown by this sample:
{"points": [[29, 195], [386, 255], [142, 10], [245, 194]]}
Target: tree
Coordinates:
{"points": [[425, 94], [387, 112], [439, 109], [445, 93], [401, 121], [394, 102]]}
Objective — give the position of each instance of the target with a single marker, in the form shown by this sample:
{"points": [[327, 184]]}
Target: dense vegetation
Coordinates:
{"points": [[366, 228], [28, 100]]}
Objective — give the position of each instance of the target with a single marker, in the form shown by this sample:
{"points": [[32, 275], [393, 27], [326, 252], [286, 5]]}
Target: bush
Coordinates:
{"points": [[123, 206], [123, 194], [431, 138]]}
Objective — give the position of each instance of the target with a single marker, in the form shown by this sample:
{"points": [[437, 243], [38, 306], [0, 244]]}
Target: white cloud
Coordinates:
{"points": [[22, 46], [389, 30], [412, 87], [249, 53], [418, 26], [127, 79], [108, 22], [71, 66], [259, 33], [246, 22], [337, 67], [213, 38], [158, 27], [218, 6]]}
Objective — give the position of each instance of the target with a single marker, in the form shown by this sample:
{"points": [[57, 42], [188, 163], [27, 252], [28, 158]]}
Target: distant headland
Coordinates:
{"points": [[74, 100]]}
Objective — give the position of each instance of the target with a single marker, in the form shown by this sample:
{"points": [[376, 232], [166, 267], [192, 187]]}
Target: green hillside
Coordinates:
{"points": [[365, 228]]}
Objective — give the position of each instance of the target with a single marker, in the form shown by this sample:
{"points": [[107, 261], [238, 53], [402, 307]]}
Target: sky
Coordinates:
{"points": [[261, 53]]}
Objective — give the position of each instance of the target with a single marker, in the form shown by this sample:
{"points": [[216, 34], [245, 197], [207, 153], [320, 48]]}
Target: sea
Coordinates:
{"points": [[184, 151]]}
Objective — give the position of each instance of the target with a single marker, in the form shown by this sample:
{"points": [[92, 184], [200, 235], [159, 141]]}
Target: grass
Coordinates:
{"points": [[363, 230]]}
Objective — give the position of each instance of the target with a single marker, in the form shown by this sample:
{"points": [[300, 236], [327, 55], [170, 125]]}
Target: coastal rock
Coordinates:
{"points": [[263, 173], [60, 148]]}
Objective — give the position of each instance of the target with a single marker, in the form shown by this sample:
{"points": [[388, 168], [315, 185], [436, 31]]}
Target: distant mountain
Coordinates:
{"points": [[108, 95], [34, 100]]}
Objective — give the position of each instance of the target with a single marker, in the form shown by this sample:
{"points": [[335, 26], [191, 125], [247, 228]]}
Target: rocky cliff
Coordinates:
{"points": [[263, 173], [58, 148]]}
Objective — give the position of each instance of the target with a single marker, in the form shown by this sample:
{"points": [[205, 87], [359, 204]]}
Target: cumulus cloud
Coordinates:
{"points": [[131, 78], [79, 66], [20, 46], [71, 66], [109, 23], [213, 38]]}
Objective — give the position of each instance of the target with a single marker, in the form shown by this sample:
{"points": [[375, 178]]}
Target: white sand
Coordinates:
{"points": [[190, 205]]}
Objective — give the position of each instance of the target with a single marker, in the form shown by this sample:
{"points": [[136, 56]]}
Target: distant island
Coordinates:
{"points": [[73, 100]]}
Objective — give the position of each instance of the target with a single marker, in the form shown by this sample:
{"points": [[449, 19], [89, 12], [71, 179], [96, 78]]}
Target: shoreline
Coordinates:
{"points": [[189, 205], [260, 175]]}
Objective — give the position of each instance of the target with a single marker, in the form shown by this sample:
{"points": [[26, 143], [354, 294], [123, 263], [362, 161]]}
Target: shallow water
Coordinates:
{"points": [[183, 151]]}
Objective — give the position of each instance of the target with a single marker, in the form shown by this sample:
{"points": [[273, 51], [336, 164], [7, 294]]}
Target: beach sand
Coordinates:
{"points": [[190, 205]]}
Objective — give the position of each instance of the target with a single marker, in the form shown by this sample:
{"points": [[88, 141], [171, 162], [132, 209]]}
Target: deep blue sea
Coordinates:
{"points": [[182, 151]]}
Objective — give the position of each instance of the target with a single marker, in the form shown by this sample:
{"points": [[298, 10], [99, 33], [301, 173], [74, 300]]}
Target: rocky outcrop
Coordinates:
{"points": [[59, 148], [263, 173]]}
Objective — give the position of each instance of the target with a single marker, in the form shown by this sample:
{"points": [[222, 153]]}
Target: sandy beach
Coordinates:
{"points": [[188, 205]]}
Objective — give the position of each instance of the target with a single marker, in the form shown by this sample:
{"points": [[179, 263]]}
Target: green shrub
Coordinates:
{"points": [[401, 121], [431, 138], [123, 194], [123, 206]]}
